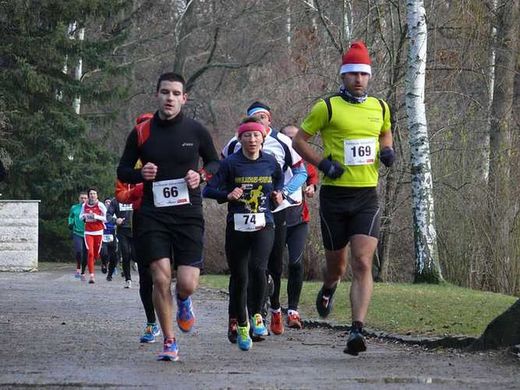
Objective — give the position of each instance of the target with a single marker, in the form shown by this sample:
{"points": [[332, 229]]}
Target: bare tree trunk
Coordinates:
{"points": [[78, 72], [288, 27], [314, 22], [70, 34], [391, 42], [130, 112], [502, 207], [427, 267], [347, 21], [484, 174], [182, 28]]}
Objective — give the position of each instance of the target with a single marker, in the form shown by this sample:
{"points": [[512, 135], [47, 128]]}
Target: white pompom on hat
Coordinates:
{"points": [[356, 59]]}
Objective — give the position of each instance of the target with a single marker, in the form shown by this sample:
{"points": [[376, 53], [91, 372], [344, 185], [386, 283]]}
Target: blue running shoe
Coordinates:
{"points": [[243, 340], [150, 333], [258, 327], [170, 351], [185, 315]]}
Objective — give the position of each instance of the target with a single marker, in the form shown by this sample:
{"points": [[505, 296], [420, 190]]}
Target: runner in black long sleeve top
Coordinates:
{"points": [[175, 146], [170, 217]]}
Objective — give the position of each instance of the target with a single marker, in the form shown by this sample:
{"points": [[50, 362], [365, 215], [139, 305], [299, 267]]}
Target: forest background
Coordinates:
{"points": [[74, 76]]}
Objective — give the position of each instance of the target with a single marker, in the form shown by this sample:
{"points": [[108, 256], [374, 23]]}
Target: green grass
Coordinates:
{"points": [[416, 309]]}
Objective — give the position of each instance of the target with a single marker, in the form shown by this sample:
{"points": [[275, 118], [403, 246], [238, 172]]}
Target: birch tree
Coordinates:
{"points": [[288, 26], [491, 87], [427, 267], [78, 73], [347, 20]]}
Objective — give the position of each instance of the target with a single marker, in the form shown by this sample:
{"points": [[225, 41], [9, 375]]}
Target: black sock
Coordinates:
{"points": [[358, 326]]}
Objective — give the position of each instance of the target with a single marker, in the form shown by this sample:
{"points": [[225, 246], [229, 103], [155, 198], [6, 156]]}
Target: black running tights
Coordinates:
{"points": [[247, 254]]}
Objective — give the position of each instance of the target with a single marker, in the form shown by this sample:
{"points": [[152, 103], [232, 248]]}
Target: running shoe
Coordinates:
{"points": [[324, 303], [109, 278], [243, 340], [83, 278], [77, 275], [104, 268], [170, 351], [293, 320], [355, 343], [92, 280], [150, 333], [185, 315], [276, 324], [258, 327], [128, 284], [232, 330]]}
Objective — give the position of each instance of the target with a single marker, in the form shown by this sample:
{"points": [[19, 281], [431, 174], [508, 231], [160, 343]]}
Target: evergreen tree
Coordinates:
{"points": [[52, 157]]}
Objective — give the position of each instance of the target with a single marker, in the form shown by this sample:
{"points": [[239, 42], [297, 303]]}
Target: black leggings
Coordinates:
{"points": [[275, 265], [296, 237], [247, 255], [109, 255], [145, 292], [126, 246], [145, 282]]}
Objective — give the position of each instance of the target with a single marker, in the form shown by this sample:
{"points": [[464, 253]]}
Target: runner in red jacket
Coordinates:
{"points": [[94, 214]]}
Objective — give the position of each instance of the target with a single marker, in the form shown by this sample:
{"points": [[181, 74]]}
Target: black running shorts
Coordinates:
{"points": [[345, 212], [159, 236]]}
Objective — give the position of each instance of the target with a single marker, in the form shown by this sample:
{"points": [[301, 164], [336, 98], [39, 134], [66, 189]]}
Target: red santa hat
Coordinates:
{"points": [[356, 59]]}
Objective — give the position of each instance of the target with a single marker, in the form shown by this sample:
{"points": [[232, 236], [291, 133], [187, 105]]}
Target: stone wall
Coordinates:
{"points": [[19, 235]]}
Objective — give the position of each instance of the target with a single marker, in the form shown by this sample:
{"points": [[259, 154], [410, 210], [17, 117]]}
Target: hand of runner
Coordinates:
{"points": [[235, 194], [331, 168], [119, 221], [309, 191], [149, 171], [192, 179], [277, 197], [387, 156]]}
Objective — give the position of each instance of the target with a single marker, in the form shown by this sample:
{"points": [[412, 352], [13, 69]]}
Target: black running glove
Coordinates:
{"points": [[331, 168], [387, 156]]}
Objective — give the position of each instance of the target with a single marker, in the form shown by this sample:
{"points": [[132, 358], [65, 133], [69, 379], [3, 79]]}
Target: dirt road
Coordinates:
{"points": [[57, 332]]}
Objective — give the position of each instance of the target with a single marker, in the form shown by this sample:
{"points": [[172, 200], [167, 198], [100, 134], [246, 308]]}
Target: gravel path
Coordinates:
{"points": [[58, 332]]}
